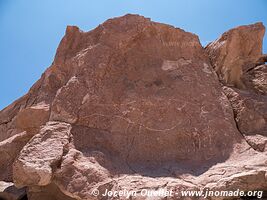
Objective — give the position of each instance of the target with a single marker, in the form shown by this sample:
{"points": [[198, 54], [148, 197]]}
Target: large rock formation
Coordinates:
{"points": [[236, 52], [132, 104], [237, 58]]}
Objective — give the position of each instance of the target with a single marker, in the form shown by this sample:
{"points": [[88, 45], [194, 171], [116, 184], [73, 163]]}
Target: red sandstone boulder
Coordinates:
{"points": [[33, 117], [237, 51], [146, 85], [136, 104], [9, 150], [238, 60], [39, 158]]}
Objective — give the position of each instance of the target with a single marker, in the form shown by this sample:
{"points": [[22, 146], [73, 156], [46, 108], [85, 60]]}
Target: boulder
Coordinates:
{"points": [[257, 142], [9, 150], [135, 104], [31, 118], [22, 127], [238, 60], [237, 51], [78, 174], [256, 79], [7, 118], [141, 84], [250, 111], [39, 158], [86, 176]]}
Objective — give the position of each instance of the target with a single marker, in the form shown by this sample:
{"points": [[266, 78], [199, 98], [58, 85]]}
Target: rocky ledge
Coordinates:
{"points": [[137, 104]]}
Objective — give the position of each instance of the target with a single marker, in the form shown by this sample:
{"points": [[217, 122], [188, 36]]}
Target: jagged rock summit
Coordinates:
{"points": [[136, 104]]}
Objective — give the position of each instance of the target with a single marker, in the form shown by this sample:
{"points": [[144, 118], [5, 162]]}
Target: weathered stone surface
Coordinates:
{"points": [[139, 91], [41, 155], [7, 115], [9, 192], [257, 79], [238, 60], [237, 51], [17, 132], [31, 118], [250, 111], [258, 142], [23, 115], [78, 174], [9, 150], [137, 104]]}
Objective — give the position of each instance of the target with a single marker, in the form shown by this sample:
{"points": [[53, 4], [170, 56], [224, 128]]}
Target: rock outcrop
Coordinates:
{"points": [[137, 104], [240, 49], [236, 52], [39, 158], [9, 150], [250, 111]]}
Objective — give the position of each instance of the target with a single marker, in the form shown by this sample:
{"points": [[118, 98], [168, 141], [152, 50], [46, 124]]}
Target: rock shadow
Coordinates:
{"points": [[96, 144]]}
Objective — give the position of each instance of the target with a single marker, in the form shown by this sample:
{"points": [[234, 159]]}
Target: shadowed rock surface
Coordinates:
{"points": [[137, 104], [10, 192]]}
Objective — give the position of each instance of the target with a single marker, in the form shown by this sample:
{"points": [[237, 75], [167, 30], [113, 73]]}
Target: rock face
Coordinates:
{"points": [[237, 58], [141, 87], [237, 51], [31, 118], [250, 111], [39, 158], [9, 149], [137, 104]]}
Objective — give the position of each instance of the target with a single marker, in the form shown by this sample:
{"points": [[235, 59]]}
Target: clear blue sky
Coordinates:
{"points": [[30, 30]]}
